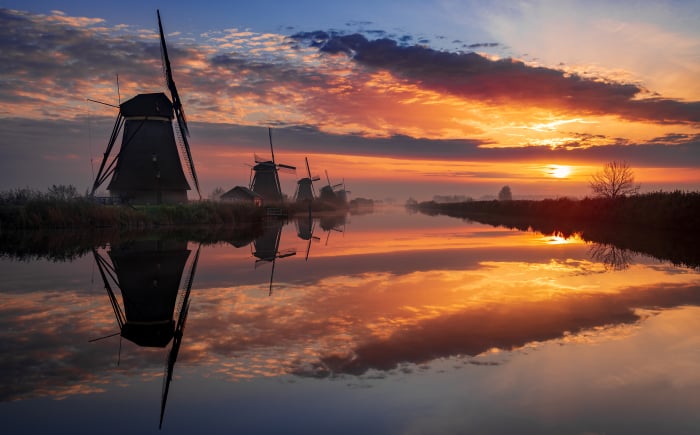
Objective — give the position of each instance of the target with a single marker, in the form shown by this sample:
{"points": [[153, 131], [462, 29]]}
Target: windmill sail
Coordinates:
{"points": [[177, 338], [177, 107], [105, 170]]}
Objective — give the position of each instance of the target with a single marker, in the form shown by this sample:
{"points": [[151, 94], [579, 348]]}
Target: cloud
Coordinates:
{"points": [[482, 45], [475, 77], [50, 64]]}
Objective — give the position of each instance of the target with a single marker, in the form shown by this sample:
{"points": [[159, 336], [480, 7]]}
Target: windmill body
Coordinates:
{"points": [[341, 196], [148, 170], [153, 159], [304, 190], [266, 181], [328, 194]]}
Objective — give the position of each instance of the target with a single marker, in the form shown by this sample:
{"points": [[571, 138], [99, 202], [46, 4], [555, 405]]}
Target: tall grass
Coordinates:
{"points": [[30, 209]]}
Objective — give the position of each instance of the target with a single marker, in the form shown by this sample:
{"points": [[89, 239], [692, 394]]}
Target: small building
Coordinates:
{"points": [[244, 195]]}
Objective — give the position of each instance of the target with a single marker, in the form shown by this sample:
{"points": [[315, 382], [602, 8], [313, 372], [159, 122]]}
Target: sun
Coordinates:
{"points": [[559, 171]]}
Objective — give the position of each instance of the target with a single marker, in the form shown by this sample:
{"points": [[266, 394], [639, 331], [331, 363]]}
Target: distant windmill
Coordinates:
{"points": [[265, 179], [329, 192], [342, 194], [148, 167], [305, 186]]}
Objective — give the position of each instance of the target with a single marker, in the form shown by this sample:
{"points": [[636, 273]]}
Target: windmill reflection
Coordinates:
{"points": [[306, 225], [305, 231], [266, 247], [333, 222], [156, 300]]}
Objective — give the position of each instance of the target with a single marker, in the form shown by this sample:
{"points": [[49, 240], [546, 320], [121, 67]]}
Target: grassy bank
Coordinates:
{"points": [[676, 211], [51, 213]]}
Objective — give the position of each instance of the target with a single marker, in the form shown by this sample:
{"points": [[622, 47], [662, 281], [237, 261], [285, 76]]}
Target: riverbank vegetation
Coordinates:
{"points": [[677, 211], [29, 209], [61, 207]]}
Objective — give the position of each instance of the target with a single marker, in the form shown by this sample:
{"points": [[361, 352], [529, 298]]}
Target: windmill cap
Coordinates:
{"points": [[148, 105], [154, 334]]}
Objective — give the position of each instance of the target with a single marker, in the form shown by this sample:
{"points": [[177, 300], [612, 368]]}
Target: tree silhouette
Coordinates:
{"points": [[616, 179], [215, 195], [505, 194], [62, 192]]}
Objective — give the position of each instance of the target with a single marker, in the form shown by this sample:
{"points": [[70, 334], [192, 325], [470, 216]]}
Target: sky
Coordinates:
{"points": [[396, 99]]}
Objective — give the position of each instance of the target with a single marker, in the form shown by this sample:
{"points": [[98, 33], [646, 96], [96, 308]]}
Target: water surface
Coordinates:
{"points": [[380, 323]]}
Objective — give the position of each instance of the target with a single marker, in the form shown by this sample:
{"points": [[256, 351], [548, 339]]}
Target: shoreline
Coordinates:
{"points": [[662, 225], [675, 211], [83, 214]]}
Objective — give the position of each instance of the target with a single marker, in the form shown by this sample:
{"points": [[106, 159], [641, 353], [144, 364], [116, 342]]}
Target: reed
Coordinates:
{"points": [[24, 209]]}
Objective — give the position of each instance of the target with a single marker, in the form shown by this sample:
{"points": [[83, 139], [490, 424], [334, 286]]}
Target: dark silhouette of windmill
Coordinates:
{"points": [[342, 194], [155, 299], [305, 186], [331, 192], [149, 165], [265, 179]]}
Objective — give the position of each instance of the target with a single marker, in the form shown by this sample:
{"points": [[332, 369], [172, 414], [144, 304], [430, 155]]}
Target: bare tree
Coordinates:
{"points": [[505, 194], [215, 195], [62, 192], [616, 179]]}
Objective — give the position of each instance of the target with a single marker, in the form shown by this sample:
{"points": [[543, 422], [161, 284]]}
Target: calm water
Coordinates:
{"points": [[384, 323]]}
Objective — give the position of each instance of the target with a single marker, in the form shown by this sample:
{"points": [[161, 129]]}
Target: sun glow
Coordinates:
{"points": [[559, 171]]}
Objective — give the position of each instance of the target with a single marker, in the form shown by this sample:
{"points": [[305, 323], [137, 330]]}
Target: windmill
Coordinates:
{"points": [[148, 274], [342, 194], [305, 186], [149, 165], [330, 193], [265, 178], [266, 247]]}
